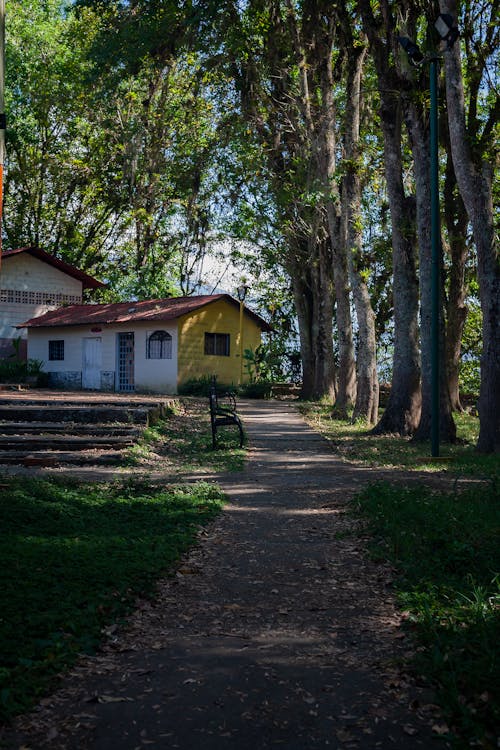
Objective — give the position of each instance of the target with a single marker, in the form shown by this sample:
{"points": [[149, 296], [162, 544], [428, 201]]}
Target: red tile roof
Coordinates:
{"points": [[88, 281], [129, 312]]}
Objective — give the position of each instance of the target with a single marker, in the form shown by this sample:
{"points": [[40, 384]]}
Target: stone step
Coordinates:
{"points": [[40, 428], [24, 399], [59, 458], [48, 442], [80, 414]]}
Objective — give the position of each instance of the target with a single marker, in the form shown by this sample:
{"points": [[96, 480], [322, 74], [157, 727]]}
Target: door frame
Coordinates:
{"points": [[96, 381]]}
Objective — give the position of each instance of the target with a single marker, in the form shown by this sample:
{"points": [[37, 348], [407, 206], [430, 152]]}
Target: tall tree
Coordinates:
{"points": [[474, 148], [272, 84], [457, 248], [403, 408], [61, 191], [367, 391]]}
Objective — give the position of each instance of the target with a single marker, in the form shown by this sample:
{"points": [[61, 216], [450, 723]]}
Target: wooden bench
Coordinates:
{"points": [[223, 415]]}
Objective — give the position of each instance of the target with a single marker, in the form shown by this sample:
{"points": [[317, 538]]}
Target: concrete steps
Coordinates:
{"points": [[76, 428], [59, 458], [45, 431], [34, 442], [82, 414]]}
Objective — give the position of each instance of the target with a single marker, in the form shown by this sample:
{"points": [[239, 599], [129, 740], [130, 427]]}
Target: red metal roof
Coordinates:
{"points": [[88, 281], [129, 312]]}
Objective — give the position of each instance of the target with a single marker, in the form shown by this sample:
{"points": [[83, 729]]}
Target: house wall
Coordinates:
{"points": [[216, 317], [28, 288], [150, 375]]}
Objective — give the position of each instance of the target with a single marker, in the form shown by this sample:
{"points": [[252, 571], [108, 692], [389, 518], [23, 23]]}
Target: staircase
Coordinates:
{"points": [[58, 429]]}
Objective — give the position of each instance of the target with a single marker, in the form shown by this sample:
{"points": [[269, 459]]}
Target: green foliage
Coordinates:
{"points": [[470, 375], [257, 389], [200, 386], [110, 149], [13, 370], [268, 361], [72, 560], [446, 549]]}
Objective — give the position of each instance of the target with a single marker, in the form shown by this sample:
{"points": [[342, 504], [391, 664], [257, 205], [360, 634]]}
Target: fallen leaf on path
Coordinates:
{"points": [[109, 699], [440, 729], [408, 729]]}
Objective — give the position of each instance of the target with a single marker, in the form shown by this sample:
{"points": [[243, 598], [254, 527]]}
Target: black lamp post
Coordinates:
{"points": [[241, 291], [449, 33]]}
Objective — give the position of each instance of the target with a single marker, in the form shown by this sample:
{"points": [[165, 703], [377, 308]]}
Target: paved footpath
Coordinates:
{"points": [[276, 631]]}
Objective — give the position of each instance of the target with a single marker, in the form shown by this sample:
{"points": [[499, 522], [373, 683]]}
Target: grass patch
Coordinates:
{"points": [[353, 442], [182, 443], [72, 559], [446, 547]]}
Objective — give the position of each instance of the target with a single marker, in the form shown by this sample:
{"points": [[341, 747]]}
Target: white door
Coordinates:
{"points": [[92, 363]]}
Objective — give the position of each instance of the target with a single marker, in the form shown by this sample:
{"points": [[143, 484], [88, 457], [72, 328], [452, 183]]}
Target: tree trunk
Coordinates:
{"points": [[311, 282], [402, 413], [367, 391], [319, 39], [420, 143], [474, 177], [403, 408], [456, 220]]}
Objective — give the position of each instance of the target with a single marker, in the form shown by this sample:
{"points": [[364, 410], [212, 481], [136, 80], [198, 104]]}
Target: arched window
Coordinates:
{"points": [[159, 345]]}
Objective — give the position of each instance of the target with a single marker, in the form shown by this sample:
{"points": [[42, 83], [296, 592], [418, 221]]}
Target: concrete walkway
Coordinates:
{"points": [[277, 630]]}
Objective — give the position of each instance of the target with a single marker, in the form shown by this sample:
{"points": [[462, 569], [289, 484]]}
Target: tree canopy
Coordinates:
{"points": [[290, 137]]}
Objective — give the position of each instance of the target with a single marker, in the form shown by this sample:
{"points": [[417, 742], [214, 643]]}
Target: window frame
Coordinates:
{"points": [[56, 350], [164, 340], [217, 344]]}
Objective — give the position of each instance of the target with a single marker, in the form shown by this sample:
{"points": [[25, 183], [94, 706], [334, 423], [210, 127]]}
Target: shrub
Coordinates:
{"points": [[201, 386], [259, 389], [16, 370]]}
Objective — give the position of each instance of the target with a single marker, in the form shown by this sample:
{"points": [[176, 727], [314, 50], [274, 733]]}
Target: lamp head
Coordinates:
{"points": [[446, 29], [414, 54], [242, 292]]}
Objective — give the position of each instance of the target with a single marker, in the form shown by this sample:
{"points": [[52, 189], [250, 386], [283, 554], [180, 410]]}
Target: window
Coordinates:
{"points": [[217, 343], [159, 345], [56, 350]]}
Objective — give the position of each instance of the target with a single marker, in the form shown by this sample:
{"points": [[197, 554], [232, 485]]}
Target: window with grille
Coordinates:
{"points": [[217, 343], [159, 345], [56, 350]]}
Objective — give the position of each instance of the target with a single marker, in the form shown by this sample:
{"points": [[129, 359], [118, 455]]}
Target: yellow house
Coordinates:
{"points": [[150, 346], [210, 344]]}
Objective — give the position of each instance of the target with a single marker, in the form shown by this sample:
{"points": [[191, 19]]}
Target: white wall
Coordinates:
{"points": [[26, 273], [30, 287], [155, 375]]}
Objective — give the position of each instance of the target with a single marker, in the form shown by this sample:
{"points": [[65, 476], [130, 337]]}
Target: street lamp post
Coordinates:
{"points": [[449, 34], [242, 293]]}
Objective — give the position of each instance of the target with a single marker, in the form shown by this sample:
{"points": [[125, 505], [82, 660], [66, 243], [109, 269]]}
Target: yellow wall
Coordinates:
{"points": [[216, 317]]}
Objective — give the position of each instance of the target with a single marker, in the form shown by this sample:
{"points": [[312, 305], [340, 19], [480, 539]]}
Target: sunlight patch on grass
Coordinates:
{"points": [[355, 443]]}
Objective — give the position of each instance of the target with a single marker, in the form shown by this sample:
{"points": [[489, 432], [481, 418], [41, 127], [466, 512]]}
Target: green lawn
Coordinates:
{"points": [[354, 442], [72, 559], [182, 443], [446, 549]]}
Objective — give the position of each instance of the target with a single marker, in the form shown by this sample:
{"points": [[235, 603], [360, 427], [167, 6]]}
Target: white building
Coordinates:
{"points": [[32, 282]]}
